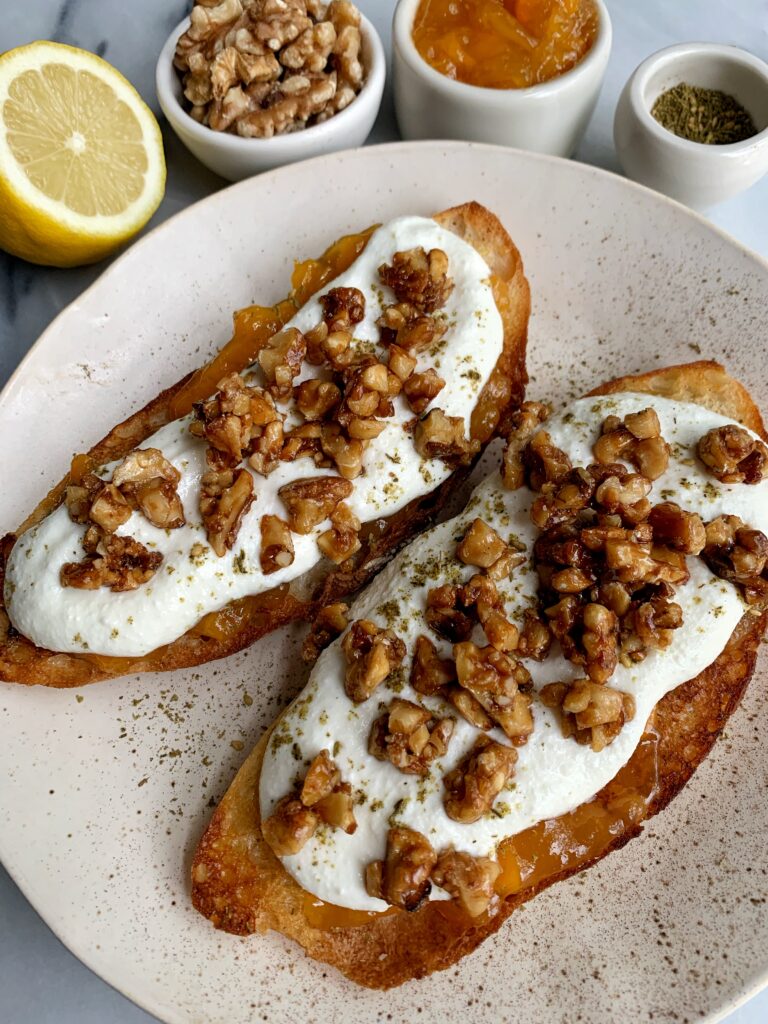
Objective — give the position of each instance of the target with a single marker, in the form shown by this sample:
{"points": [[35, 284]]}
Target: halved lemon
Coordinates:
{"points": [[81, 156]]}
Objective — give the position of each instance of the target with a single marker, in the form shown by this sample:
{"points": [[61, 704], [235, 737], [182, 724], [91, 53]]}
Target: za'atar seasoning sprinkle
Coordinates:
{"points": [[703, 115]]}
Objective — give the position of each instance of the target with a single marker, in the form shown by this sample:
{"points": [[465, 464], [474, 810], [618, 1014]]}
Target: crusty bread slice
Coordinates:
{"points": [[22, 662], [242, 887]]}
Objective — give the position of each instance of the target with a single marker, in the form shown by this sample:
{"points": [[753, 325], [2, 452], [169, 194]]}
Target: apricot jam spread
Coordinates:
{"points": [[504, 44], [548, 848]]}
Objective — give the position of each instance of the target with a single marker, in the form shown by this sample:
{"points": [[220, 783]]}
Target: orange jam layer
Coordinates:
{"points": [[504, 44], [255, 325], [548, 848]]}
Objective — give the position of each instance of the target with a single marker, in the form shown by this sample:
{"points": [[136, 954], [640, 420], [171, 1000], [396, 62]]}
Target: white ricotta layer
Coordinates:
{"points": [[185, 589], [554, 775]]}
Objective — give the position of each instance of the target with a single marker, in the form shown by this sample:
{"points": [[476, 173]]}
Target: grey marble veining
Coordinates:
{"points": [[40, 981]]}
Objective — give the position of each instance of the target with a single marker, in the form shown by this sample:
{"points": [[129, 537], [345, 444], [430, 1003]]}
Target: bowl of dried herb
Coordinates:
{"points": [[692, 122]]}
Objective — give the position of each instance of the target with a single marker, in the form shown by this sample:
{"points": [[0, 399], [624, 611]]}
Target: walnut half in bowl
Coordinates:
{"points": [[231, 53]]}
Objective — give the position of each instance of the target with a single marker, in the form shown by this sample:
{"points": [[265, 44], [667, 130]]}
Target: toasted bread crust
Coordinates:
{"points": [[242, 887], [23, 662]]}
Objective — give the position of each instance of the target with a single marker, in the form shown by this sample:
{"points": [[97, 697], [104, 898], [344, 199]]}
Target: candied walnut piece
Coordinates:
{"points": [[681, 530], [469, 880], [525, 422], [544, 462], [419, 277], [447, 614], [472, 787], [637, 439], [149, 481], [562, 500], [290, 826], [301, 442], [409, 736], [600, 641], [372, 655], [237, 420], [438, 436], [311, 501], [649, 623], [429, 672], [78, 498], [402, 878], [408, 328], [733, 455], [346, 453], [738, 554], [500, 684], [276, 545], [590, 713], [400, 362], [121, 563], [342, 540], [281, 360], [321, 779], [328, 624], [109, 509], [317, 399], [420, 388], [343, 308], [535, 637], [225, 498], [481, 545]]}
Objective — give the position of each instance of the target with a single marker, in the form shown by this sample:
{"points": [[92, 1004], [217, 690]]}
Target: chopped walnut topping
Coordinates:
{"points": [[400, 362], [372, 655], [446, 613], [681, 530], [109, 509], [149, 481], [345, 452], [317, 399], [276, 545], [469, 707], [302, 442], [120, 563], [544, 462], [322, 796], [402, 878], [418, 277], [469, 880], [343, 308], [328, 624], [535, 637], [590, 713], [420, 388], [472, 787], [78, 498], [310, 501], [738, 554], [481, 546], [281, 360], [408, 328], [242, 61], [410, 737], [500, 684], [342, 540], [733, 455], [438, 436], [562, 500], [525, 422], [225, 498], [648, 623], [636, 439], [290, 826], [429, 672]]}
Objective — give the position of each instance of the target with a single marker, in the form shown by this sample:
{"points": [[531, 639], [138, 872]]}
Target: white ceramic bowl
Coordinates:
{"points": [[546, 118], [696, 174], [235, 158]]}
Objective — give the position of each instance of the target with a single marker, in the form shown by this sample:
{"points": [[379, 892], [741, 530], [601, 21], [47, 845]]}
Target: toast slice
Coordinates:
{"points": [[242, 622], [239, 884]]}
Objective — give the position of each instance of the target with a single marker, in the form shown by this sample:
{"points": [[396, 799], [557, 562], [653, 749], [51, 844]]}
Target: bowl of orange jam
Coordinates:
{"points": [[524, 73]]}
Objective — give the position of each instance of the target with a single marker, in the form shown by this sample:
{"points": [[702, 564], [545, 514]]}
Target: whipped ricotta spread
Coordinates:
{"points": [[553, 775], [191, 583]]}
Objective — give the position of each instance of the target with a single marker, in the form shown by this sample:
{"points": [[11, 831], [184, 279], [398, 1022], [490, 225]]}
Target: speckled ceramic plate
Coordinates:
{"points": [[106, 791]]}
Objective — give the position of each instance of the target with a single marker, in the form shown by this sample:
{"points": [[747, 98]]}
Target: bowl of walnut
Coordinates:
{"points": [[248, 85]]}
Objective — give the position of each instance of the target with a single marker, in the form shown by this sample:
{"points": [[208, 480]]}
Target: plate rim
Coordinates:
{"points": [[134, 251]]}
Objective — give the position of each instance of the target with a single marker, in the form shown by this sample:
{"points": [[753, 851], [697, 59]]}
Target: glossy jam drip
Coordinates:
{"points": [[254, 325], [548, 848], [504, 44]]}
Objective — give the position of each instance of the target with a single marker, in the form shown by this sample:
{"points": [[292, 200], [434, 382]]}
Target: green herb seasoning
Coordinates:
{"points": [[703, 115]]}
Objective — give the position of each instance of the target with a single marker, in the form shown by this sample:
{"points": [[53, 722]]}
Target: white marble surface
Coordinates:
{"points": [[40, 981]]}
